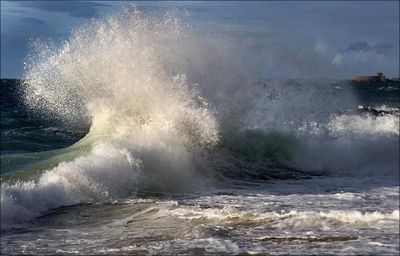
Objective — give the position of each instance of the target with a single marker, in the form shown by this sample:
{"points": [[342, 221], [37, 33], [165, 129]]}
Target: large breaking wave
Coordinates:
{"points": [[174, 108]]}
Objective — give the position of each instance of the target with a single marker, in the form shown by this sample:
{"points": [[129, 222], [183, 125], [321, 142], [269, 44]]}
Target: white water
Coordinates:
{"points": [[342, 215]]}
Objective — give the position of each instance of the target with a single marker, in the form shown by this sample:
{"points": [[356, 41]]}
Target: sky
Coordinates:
{"points": [[354, 38]]}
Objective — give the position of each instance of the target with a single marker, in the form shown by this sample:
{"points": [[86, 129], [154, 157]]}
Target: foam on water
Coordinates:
{"points": [[277, 218], [287, 219], [300, 216], [368, 125]]}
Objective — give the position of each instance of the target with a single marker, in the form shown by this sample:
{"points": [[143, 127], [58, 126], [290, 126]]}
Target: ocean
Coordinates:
{"points": [[141, 135]]}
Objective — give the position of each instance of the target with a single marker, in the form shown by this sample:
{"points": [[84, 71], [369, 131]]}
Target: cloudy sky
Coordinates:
{"points": [[352, 37]]}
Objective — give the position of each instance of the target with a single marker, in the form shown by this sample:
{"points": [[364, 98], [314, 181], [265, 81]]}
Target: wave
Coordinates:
{"points": [[285, 219], [174, 108]]}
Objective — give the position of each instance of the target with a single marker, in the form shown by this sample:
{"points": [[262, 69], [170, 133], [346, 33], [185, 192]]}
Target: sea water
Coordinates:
{"points": [[143, 135]]}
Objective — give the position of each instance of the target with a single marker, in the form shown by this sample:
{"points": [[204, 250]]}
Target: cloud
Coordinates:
{"points": [[15, 11], [357, 47], [31, 20], [367, 61], [381, 48], [358, 57], [361, 52], [78, 9], [363, 46]]}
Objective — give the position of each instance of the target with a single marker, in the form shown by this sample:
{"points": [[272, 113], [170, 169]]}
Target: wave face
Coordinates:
{"points": [[173, 108]]}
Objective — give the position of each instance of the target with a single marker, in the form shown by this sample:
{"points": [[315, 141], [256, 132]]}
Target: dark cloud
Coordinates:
{"points": [[381, 48], [357, 47], [80, 9], [16, 11], [31, 20], [363, 46]]}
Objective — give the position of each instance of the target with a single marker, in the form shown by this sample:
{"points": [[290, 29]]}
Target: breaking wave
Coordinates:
{"points": [[174, 108]]}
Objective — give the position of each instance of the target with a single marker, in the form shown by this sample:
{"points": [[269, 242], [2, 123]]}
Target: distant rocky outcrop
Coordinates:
{"points": [[380, 78]]}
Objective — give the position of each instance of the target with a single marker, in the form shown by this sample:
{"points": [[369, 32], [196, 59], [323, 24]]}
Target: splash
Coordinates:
{"points": [[124, 74]]}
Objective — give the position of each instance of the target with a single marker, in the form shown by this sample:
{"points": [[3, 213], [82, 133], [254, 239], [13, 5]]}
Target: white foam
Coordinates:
{"points": [[356, 124], [298, 219]]}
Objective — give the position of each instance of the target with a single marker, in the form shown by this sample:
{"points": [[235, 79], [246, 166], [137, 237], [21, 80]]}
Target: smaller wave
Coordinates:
{"points": [[388, 88], [355, 124], [232, 216]]}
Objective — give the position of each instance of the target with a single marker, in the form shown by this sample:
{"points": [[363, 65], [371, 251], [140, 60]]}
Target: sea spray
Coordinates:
{"points": [[148, 120]]}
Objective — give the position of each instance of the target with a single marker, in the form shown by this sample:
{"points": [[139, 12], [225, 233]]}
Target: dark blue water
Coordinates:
{"points": [[25, 132]]}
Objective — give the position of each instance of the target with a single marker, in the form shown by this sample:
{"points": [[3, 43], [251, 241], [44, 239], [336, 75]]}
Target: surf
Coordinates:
{"points": [[172, 108]]}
